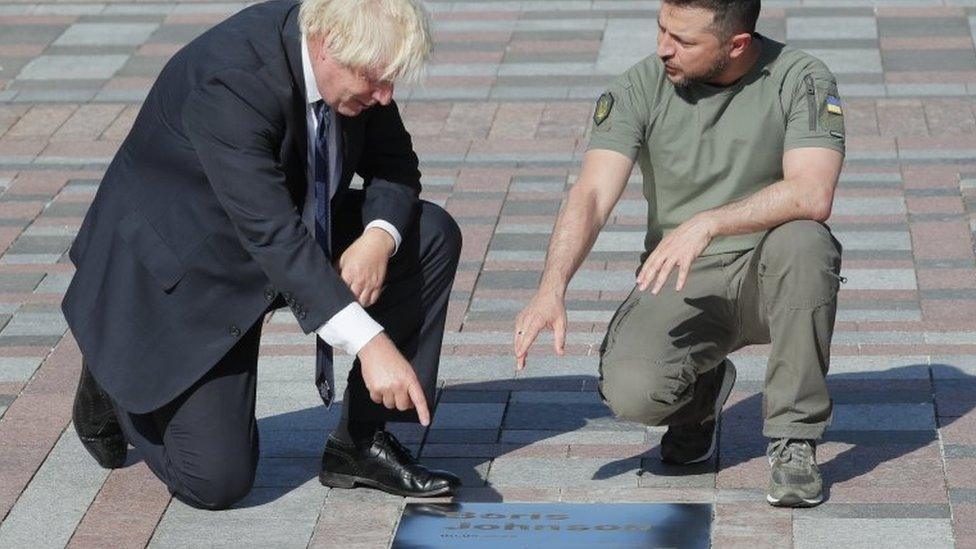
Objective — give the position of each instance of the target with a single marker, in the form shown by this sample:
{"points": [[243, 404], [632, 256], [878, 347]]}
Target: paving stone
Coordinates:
{"points": [[657, 474], [883, 417], [468, 416], [54, 283], [869, 206], [462, 436], [72, 66], [577, 472], [559, 416], [19, 283], [105, 34], [471, 471], [879, 510], [908, 533], [832, 28], [30, 34], [18, 368], [40, 245], [29, 259], [33, 324], [292, 443], [948, 60], [269, 517], [529, 436], [880, 279], [848, 60], [288, 472], [874, 240], [60, 492]]}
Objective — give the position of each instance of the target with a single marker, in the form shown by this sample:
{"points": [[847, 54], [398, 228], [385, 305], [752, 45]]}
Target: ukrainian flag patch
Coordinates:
{"points": [[833, 105]]}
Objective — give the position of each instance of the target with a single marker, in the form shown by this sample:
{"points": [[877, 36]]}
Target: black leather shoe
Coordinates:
{"points": [[96, 424], [385, 465]]}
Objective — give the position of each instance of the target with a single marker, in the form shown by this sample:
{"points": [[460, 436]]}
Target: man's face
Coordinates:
{"points": [[688, 46], [346, 90]]}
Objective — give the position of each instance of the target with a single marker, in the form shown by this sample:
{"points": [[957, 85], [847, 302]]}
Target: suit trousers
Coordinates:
{"points": [[657, 362], [204, 444]]}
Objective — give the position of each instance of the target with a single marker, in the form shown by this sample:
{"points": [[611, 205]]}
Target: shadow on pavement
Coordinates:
{"points": [[875, 432]]}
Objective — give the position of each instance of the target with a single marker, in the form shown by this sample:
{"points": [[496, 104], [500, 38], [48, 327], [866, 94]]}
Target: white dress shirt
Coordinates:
{"points": [[352, 327]]}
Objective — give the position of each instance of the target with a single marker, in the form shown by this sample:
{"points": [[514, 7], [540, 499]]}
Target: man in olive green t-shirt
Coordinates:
{"points": [[740, 141]]}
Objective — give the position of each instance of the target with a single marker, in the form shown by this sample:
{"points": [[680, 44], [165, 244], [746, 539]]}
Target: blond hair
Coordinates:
{"points": [[388, 36]]}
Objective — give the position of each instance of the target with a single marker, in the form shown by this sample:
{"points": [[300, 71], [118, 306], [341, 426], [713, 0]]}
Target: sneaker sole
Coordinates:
{"points": [[723, 395], [792, 501], [338, 480]]}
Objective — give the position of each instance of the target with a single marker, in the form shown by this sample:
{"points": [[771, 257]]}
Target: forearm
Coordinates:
{"points": [[783, 201], [602, 180], [577, 227]]}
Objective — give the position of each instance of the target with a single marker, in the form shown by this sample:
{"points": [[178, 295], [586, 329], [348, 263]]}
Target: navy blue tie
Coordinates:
{"points": [[323, 351]]}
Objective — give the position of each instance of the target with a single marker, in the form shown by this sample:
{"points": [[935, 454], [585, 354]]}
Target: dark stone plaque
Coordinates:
{"points": [[562, 525]]}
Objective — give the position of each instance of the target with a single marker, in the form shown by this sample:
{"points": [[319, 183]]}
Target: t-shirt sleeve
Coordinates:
{"points": [[815, 116], [616, 123]]}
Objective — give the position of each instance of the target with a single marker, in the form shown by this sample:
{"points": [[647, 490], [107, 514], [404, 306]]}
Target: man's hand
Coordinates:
{"points": [[390, 379], [363, 265], [546, 310], [679, 249]]}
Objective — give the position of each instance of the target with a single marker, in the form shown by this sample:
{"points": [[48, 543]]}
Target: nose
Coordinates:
{"points": [[383, 93], [665, 46]]}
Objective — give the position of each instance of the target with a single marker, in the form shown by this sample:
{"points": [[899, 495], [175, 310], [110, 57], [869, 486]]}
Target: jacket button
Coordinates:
{"points": [[235, 331], [302, 315], [269, 294]]}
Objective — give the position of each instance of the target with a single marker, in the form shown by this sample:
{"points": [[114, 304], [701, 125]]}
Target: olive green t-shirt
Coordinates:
{"points": [[700, 147]]}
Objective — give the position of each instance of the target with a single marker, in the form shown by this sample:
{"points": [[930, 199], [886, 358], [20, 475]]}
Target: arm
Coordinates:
{"points": [[602, 180], [391, 183], [806, 192]]}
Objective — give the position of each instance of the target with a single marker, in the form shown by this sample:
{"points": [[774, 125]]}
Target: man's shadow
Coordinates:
{"points": [[869, 407]]}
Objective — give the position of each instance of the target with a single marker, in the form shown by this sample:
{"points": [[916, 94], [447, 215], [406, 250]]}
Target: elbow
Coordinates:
{"points": [[820, 208]]}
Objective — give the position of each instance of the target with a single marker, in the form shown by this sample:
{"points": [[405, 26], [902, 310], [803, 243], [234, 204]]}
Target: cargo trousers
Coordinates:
{"points": [[660, 351]]}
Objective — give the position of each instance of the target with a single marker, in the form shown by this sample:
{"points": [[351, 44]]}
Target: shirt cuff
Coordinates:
{"points": [[350, 329], [390, 229]]}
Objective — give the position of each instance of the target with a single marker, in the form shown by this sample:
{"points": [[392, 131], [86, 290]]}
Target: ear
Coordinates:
{"points": [[739, 44]]}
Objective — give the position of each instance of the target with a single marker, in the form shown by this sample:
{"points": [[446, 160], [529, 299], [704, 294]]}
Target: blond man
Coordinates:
{"points": [[231, 197]]}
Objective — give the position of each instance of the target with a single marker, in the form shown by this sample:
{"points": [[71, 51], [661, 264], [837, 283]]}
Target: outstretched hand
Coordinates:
{"points": [[545, 311]]}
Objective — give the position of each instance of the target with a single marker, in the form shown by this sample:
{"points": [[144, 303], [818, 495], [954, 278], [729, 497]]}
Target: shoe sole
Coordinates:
{"points": [[723, 395], [109, 452], [339, 480], [792, 501]]}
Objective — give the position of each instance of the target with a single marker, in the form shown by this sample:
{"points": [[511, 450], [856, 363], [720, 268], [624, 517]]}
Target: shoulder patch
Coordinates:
{"points": [[603, 106], [833, 105]]}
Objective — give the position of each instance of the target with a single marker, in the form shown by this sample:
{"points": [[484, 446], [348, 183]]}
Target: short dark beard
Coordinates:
{"points": [[710, 74]]}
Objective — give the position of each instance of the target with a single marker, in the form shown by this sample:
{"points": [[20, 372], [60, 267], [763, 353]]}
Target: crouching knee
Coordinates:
{"points": [[644, 390]]}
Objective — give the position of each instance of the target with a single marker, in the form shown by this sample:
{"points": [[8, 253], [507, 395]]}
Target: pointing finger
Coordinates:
{"points": [[419, 401]]}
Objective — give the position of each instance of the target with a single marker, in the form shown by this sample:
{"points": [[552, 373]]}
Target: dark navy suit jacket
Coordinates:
{"points": [[196, 227]]}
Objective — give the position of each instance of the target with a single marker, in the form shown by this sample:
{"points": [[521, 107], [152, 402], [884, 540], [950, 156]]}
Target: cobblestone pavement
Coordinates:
{"points": [[500, 125]]}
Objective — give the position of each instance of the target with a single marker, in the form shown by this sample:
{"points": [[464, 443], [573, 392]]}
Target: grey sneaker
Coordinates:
{"points": [[695, 442], [794, 479]]}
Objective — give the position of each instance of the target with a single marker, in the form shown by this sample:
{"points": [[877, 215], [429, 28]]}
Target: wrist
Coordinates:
{"points": [[375, 344], [552, 288], [709, 220], [382, 239]]}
